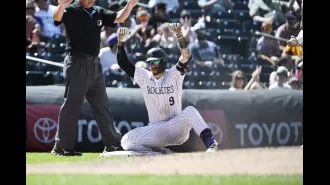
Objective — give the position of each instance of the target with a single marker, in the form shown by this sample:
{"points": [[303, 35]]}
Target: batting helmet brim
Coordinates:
{"points": [[152, 58]]}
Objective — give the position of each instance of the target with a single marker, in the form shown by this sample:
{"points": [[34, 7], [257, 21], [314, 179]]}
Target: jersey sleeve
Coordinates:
{"points": [[140, 75], [108, 17], [175, 74]]}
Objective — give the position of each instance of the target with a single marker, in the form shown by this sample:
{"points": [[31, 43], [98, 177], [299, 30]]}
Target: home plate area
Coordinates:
{"points": [[129, 154]]}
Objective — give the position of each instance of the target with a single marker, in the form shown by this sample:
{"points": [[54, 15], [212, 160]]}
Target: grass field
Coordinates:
{"points": [[279, 161]]}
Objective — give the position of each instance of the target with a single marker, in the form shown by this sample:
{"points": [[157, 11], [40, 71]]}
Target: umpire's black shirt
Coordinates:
{"points": [[83, 27]]}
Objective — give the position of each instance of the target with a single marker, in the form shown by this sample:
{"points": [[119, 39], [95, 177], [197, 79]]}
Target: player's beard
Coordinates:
{"points": [[159, 70]]}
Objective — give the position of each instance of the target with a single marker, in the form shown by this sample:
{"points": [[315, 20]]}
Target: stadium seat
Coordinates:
{"points": [[199, 76], [230, 24], [198, 85], [56, 48], [222, 15], [58, 77], [44, 38], [264, 77], [247, 68], [39, 78], [53, 57], [241, 15], [191, 5], [240, 5], [218, 85], [251, 26], [57, 39], [195, 14]]}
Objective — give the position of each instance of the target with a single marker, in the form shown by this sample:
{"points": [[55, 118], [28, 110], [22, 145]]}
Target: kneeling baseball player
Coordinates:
{"points": [[162, 92]]}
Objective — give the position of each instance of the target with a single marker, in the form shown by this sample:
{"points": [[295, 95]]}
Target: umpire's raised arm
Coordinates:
{"points": [[122, 59], [185, 57], [58, 15], [125, 12]]}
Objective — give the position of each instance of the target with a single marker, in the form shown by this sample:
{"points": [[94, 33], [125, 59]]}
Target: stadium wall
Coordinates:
{"points": [[238, 119]]}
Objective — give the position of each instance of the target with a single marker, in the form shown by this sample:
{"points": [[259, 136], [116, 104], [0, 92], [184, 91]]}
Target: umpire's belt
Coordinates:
{"points": [[84, 56]]}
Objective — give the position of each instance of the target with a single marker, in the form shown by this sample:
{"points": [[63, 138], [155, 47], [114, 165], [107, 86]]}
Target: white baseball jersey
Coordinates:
{"points": [[162, 96], [169, 125]]}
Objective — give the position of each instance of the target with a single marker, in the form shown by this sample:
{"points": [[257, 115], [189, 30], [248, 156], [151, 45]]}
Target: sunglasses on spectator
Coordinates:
{"points": [[30, 8], [143, 18], [239, 78], [150, 62], [185, 16]]}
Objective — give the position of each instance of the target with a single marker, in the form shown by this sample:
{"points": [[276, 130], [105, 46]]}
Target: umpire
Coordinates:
{"points": [[83, 72]]}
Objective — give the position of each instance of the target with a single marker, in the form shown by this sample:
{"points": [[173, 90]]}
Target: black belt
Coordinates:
{"points": [[85, 56]]}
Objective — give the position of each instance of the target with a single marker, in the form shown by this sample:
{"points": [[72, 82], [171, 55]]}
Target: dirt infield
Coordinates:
{"points": [[259, 161]]}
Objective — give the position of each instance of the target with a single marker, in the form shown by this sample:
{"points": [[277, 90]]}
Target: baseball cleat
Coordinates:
{"points": [[213, 148], [113, 148], [64, 152]]}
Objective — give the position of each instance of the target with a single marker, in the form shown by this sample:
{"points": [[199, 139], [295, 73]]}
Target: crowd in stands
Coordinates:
{"points": [[221, 34]]}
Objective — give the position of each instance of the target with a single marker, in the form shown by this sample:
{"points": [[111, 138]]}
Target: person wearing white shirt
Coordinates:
{"points": [[282, 79], [45, 13], [108, 56], [170, 4]]}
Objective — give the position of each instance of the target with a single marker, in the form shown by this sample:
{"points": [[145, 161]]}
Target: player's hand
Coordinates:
{"points": [[293, 41], [65, 2], [122, 33], [175, 28], [132, 2], [185, 55]]}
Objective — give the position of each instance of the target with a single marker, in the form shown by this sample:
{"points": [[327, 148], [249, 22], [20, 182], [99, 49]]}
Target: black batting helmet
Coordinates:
{"points": [[157, 54]]}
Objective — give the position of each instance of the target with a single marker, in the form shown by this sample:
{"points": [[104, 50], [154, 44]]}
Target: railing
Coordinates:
{"points": [[44, 61]]}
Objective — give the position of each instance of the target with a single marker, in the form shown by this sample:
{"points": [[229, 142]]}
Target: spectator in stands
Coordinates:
{"points": [[290, 28], [285, 61], [269, 10], [187, 31], [299, 72], [213, 6], [295, 83], [32, 38], [204, 52], [105, 34], [165, 38], [45, 12], [254, 83], [267, 46], [299, 39], [158, 15], [30, 7], [282, 79], [108, 56], [170, 4], [238, 81], [143, 31]]}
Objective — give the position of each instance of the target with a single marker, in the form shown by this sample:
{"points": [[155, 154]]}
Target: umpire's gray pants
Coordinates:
{"points": [[84, 78]]}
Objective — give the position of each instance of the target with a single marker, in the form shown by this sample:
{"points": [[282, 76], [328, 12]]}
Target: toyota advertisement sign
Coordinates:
{"points": [[237, 119]]}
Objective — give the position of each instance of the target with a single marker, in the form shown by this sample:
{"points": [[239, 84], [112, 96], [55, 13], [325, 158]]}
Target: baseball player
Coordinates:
{"points": [[162, 92]]}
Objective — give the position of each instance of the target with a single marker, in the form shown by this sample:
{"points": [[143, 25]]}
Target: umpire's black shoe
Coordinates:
{"points": [[65, 152], [112, 148]]}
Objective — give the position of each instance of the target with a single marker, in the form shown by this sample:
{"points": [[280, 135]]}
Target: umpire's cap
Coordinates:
{"points": [[156, 54]]}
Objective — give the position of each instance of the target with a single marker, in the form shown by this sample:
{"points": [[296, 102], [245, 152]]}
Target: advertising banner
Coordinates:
{"points": [[237, 119]]}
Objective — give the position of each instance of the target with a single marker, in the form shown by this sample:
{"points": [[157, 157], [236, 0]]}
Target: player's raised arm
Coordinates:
{"points": [[185, 57], [122, 59]]}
